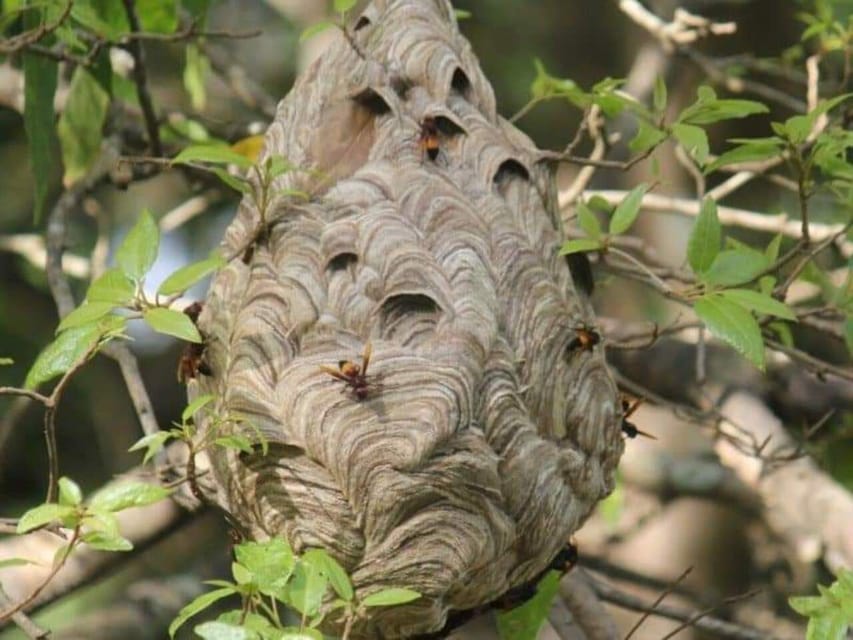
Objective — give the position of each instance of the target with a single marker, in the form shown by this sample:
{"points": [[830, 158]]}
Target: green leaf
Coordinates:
{"points": [[240, 573], [390, 597], [224, 631], [237, 183], [336, 574], [580, 245], [314, 29], [693, 139], [523, 623], [735, 266], [196, 70], [101, 532], [44, 514], [158, 16], [196, 606], [704, 242], [748, 152], [659, 96], [124, 495], [648, 136], [69, 492], [69, 348], [306, 589], [196, 405], [40, 78], [172, 323], [342, 6], [113, 286], [5, 362], [139, 249], [708, 108], [152, 443], [15, 562], [461, 14], [733, 324], [212, 154], [105, 18], [84, 314], [270, 562], [187, 276], [759, 303], [588, 221], [237, 442], [81, 125], [627, 210], [772, 250]]}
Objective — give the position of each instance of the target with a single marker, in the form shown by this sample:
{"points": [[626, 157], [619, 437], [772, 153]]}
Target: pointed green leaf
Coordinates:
{"points": [[139, 249], [123, 495], [40, 79], [5, 362], [216, 630], [241, 185], [733, 324], [748, 152], [306, 589], [213, 154], [735, 266], [69, 492], [342, 6], [524, 622], [580, 245], [314, 29], [693, 139], [69, 348], [172, 323], [647, 137], [271, 562], [152, 443], [336, 574], [659, 96], [196, 70], [627, 210], [198, 605], [112, 286], [236, 442], [588, 221], [15, 562], [81, 124], [196, 405], [704, 242], [102, 541], [84, 314], [187, 276], [390, 597], [42, 515], [759, 303], [159, 16]]}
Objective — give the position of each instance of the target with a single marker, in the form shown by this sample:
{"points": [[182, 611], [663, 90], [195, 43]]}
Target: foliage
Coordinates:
{"points": [[266, 573], [831, 613]]}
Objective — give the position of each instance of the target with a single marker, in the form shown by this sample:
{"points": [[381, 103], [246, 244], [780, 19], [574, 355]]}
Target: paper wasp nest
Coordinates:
{"points": [[487, 436]]}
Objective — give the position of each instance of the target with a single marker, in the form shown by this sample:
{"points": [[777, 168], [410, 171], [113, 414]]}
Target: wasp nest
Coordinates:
{"points": [[484, 432]]}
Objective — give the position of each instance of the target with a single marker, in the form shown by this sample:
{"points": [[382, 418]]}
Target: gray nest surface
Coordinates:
{"points": [[487, 436]]}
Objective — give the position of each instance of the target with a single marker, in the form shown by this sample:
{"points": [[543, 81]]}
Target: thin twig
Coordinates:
{"points": [[669, 589], [701, 620], [140, 77], [29, 393], [57, 566], [25, 624]]}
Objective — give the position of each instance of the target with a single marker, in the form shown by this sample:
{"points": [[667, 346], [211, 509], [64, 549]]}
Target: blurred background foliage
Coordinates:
{"points": [[585, 40]]}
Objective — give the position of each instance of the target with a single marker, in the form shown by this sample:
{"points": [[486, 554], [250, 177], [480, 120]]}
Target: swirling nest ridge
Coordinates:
{"points": [[485, 441]]}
